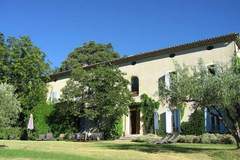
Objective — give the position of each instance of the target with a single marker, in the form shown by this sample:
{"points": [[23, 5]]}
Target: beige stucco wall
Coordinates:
{"points": [[151, 69], [56, 86]]}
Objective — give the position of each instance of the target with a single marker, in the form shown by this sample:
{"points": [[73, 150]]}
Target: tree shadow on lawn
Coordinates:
{"points": [[2, 146], [163, 148]]}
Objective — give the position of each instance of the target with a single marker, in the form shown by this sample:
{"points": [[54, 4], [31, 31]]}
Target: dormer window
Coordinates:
{"points": [[135, 86], [172, 55], [134, 62], [210, 47]]}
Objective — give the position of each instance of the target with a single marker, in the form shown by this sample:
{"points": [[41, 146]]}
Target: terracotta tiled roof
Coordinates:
{"points": [[224, 38]]}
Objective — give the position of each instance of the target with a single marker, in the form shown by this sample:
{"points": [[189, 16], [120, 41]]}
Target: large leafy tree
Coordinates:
{"points": [[4, 60], [218, 90], [99, 94], [9, 106], [23, 65], [90, 53]]}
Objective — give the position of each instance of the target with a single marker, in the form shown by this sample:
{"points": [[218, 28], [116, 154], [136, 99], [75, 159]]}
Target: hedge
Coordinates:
{"points": [[207, 139], [40, 118], [191, 127], [10, 133]]}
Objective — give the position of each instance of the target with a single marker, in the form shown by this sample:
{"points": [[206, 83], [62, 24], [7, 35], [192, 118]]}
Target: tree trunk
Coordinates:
{"points": [[237, 134], [237, 138]]}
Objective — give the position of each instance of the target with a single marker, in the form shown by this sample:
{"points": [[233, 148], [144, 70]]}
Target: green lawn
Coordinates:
{"points": [[117, 150]]}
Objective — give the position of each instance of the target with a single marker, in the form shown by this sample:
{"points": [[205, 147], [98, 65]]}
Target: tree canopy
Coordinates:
{"points": [[99, 94], [23, 65], [215, 87], [89, 53], [9, 106]]}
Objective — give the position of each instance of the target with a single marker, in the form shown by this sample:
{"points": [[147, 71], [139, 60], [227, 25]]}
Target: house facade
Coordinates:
{"points": [[145, 70]]}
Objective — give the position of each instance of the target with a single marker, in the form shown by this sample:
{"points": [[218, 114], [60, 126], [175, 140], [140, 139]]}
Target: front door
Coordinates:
{"points": [[135, 120]]}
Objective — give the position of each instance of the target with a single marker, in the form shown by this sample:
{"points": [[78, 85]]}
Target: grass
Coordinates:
{"points": [[117, 150]]}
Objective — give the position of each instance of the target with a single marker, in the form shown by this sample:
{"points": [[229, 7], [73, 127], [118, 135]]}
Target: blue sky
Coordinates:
{"points": [[132, 26]]}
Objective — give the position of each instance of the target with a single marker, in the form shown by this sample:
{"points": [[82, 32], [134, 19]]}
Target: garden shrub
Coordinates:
{"points": [[207, 139], [148, 138], [40, 118], [225, 139], [117, 130], [219, 137], [69, 136], [188, 139], [228, 139], [181, 139], [191, 127], [196, 139], [10, 133], [60, 121]]}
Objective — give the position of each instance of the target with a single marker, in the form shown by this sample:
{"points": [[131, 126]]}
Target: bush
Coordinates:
{"points": [[118, 129], [9, 106], [181, 139], [149, 138], [60, 121], [68, 136], [191, 127], [40, 117], [197, 139], [115, 131], [10, 133], [188, 139], [225, 139], [207, 139]]}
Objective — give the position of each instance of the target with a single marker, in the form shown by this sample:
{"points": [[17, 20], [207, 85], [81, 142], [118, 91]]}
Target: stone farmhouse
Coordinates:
{"points": [[145, 70]]}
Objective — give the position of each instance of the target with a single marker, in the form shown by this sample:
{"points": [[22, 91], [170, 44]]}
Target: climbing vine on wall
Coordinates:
{"points": [[147, 107]]}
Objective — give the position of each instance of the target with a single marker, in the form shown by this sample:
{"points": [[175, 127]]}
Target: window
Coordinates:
{"points": [[135, 86], [134, 62], [215, 124], [210, 47], [166, 80], [172, 55], [54, 97], [161, 82]]}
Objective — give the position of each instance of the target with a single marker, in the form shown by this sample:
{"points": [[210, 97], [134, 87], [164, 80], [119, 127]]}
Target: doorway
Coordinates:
{"points": [[135, 120]]}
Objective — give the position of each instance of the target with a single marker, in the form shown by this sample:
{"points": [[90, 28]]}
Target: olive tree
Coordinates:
{"points": [[216, 88], [9, 106]]}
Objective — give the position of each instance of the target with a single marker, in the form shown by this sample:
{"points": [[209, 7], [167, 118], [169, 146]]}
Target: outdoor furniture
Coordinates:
{"points": [[46, 137], [41, 137], [49, 136], [96, 136], [61, 136]]}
